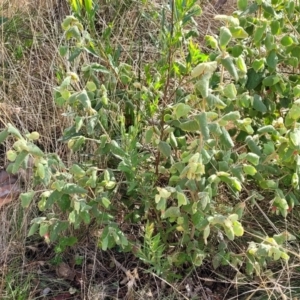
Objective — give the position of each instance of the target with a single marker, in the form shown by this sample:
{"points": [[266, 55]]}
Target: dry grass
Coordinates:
{"points": [[29, 40], [207, 24], [27, 82]]}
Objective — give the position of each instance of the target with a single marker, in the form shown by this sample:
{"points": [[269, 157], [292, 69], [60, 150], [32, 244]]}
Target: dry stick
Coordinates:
{"points": [[169, 284]]}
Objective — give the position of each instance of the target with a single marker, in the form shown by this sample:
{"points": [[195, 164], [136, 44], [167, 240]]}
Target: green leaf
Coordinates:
{"points": [[105, 202], [226, 138], [182, 200], [164, 193], [88, 4], [96, 67], [258, 64], [34, 150], [259, 32], [239, 209], [251, 9], [190, 126], [240, 63], [44, 229], [60, 101], [206, 233], [63, 50], [106, 175], [229, 232], [14, 131], [272, 59], [284, 237], [293, 61], [72, 217], [294, 112], [26, 198], [236, 50], [294, 137], [238, 32], [33, 229], [258, 104], [202, 121], [269, 148], [40, 169], [91, 86], [85, 216], [34, 136], [242, 4], [269, 184], [276, 253], [249, 170], [73, 32], [270, 42], [68, 241], [11, 155], [267, 129], [253, 147], [285, 256], [254, 79], [296, 91], [237, 228], [76, 143], [84, 99], [165, 148], [173, 140], [3, 135], [19, 161], [214, 101], [211, 41], [271, 80], [230, 91], [231, 116], [117, 151], [286, 41], [235, 183], [268, 9], [171, 212], [202, 86], [206, 68], [275, 27], [249, 268], [72, 188], [77, 170], [295, 181], [54, 197], [63, 202], [224, 37], [161, 204], [68, 21], [204, 199], [104, 243], [230, 67], [290, 7], [181, 110]]}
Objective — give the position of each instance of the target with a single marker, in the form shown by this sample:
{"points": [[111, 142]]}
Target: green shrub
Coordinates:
{"points": [[179, 148]]}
